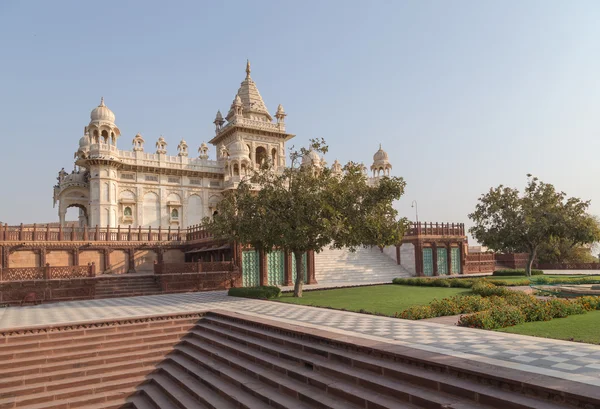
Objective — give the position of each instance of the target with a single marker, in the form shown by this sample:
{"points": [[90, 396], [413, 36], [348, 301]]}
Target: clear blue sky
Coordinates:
{"points": [[463, 95]]}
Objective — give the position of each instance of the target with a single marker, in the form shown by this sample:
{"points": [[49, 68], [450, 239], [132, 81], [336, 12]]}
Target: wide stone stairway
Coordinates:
{"points": [[126, 286], [365, 265], [222, 359], [232, 362]]}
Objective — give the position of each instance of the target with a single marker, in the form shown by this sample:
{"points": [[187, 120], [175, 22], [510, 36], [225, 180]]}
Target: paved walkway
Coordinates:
{"points": [[562, 359]]}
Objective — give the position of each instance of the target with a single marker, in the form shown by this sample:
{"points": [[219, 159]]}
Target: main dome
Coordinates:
{"points": [[102, 113]]}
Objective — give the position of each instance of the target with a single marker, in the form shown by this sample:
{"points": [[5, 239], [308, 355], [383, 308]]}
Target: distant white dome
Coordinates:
{"points": [[84, 142], [238, 149], [380, 155], [311, 159], [102, 113]]}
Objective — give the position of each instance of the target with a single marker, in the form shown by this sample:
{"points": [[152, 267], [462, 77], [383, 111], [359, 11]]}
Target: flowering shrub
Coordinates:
{"points": [[416, 312], [498, 317], [589, 303], [486, 289]]}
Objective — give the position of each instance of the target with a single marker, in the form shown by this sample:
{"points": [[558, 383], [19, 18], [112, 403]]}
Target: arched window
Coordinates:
{"points": [[127, 211], [105, 136], [261, 155], [174, 214]]}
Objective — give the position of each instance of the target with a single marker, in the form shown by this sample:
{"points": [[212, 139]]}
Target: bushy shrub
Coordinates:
{"points": [[504, 283], [561, 308], [263, 293], [461, 283], [516, 272], [486, 289], [498, 317], [416, 312], [589, 303], [445, 307], [435, 282]]}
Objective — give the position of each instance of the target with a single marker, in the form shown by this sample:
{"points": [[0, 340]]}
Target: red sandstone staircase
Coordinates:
{"points": [[85, 366], [227, 362], [126, 286]]}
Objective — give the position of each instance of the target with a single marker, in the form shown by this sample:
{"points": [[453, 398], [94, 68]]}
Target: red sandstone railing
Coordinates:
{"points": [[46, 273], [512, 260], [436, 229], [197, 267], [60, 233]]}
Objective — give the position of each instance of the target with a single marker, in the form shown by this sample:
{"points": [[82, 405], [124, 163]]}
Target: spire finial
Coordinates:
{"points": [[247, 68], [379, 146], [101, 101]]}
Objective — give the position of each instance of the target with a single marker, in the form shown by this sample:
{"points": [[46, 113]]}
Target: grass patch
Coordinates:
{"points": [[582, 328], [379, 299]]}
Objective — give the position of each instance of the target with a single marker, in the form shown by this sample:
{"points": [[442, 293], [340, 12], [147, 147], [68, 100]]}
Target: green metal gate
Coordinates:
{"points": [[428, 261], [303, 267], [442, 261], [250, 269], [456, 261], [275, 267]]}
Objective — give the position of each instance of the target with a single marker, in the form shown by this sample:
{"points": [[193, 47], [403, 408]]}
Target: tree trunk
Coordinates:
{"points": [[530, 262], [299, 275]]}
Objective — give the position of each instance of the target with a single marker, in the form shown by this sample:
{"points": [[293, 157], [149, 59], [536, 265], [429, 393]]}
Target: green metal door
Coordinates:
{"points": [[303, 267], [250, 269], [442, 261], [428, 261], [456, 261], [275, 267]]}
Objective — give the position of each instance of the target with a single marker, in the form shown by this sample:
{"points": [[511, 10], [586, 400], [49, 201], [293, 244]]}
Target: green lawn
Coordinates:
{"points": [[383, 299], [582, 328]]}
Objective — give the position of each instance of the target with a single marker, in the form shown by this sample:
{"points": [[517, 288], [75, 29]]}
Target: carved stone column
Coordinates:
{"points": [[75, 253], [131, 260], [42, 253], [418, 258], [106, 254]]}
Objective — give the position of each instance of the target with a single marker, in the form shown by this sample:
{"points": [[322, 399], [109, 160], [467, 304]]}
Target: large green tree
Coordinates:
{"points": [[504, 220], [307, 206]]}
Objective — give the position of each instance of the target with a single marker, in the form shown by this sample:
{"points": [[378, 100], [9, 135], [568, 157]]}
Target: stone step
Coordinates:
{"points": [[334, 394], [336, 379], [186, 391], [239, 387], [90, 364], [304, 352], [95, 334], [78, 370], [70, 358], [128, 342], [42, 396], [105, 400], [81, 383]]}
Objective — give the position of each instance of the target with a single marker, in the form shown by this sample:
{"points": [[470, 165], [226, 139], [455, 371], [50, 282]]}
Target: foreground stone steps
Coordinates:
{"points": [[85, 365], [229, 360]]}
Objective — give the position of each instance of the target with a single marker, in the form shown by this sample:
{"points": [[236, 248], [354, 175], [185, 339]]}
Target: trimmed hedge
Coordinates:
{"points": [[263, 293], [566, 280], [497, 307], [516, 272], [435, 282]]}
